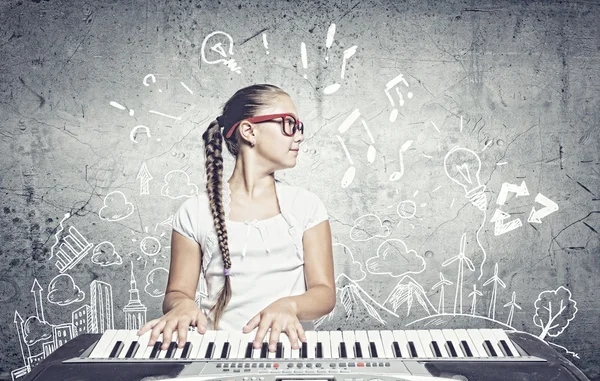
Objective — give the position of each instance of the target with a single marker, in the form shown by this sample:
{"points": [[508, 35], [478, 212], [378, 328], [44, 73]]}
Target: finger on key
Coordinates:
{"points": [[261, 332], [182, 330], [156, 330], [146, 327], [292, 333], [301, 333], [274, 337], [201, 323], [167, 336]]}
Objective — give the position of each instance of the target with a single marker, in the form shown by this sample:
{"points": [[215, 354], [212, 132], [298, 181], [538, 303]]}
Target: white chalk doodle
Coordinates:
{"points": [[406, 209], [104, 254], [121, 107], [347, 54], [134, 132], [72, 248], [434, 126], [178, 185], [144, 176], [553, 320], [495, 280], [406, 291], [102, 315], [303, 57], [549, 207], [187, 88], [151, 77], [371, 152], [390, 85], [135, 310], [63, 291], [222, 44], [507, 188], [398, 174], [36, 290], [265, 43], [395, 259], [501, 227], [512, 305], [115, 207], [345, 264], [367, 227], [167, 222], [441, 284], [329, 40], [165, 115], [18, 320], [473, 295], [348, 121], [462, 261], [156, 282], [351, 171], [150, 246]]}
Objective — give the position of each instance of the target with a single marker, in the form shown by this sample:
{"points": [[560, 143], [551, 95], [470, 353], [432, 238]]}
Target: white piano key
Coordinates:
{"points": [[195, 338], [362, 338], [220, 340], [413, 336], [463, 335], [311, 343], [143, 342], [402, 339], [323, 338], [440, 340], [130, 338], [450, 336], [349, 339], [387, 340], [179, 351], [244, 340], [375, 337], [234, 341], [103, 343], [501, 335], [120, 335], [488, 335], [287, 346], [335, 338], [425, 342], [477, 341], [209, 336]]}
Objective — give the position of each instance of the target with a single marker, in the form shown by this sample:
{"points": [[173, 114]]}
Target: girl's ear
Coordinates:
{"points": [[247, 131]]}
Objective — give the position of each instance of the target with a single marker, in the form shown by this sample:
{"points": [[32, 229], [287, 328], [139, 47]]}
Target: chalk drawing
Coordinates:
{"points": [[102, 316], [178, 185], [549, 207], [135, 310], [116, 207], [36, 290], [512, 304], [187, 88], [351, 171], [165, 115], [348, 121], [406, 209], [225, 52], [518, 190], [104, 254], [495, 280], [121, 107], [406, 291], [367, 227], [72, 249], [371, 152], [473, 295], [554, 310], [156, 282], [395, 259], [144, 176], [390, 85], [329, 40], [265, 43], [501, 227], [345, 264], [63, 291], [441, 284], [151, 77], [347, 54], [462, 260], [134, 132], [398, 175], [303, 56]]}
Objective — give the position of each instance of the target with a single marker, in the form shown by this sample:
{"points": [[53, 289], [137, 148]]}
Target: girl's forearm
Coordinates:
{"points": [[314, 303], [172, 298]]}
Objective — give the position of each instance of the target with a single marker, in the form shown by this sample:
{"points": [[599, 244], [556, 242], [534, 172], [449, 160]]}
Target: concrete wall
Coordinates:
{"points": [[494, 149]]}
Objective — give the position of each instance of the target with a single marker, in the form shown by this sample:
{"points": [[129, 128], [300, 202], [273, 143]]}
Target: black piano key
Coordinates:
{"points": [[155, 350], [373, 350], [133, 348], [319, 353], [264, 351], [304, 351], [436, 349], [357, 350], [171, 350], [209, 350], [465, 347], [505, 348], [412, 350], [397, 352], [249, 349], [279, 351], [187, 348], [489, 348], [451, 349], [225, 351], [116, 349], [343, 353]]}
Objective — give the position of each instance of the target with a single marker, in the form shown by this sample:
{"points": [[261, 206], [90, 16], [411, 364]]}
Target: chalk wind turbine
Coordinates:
{"points": [[462, 260], [443, 282], [473, 295], [496, 281], [512, 304]]}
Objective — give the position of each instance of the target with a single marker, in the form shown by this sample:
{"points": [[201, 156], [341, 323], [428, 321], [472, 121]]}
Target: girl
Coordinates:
{"points": [[263, 248]]}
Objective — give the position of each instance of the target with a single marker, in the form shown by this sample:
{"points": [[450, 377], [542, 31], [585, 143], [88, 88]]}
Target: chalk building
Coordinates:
{"points": [[101, 307], [80, 318], [135, 311]]}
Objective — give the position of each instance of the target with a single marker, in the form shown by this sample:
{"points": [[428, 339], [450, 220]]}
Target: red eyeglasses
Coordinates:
{"points": [[289, 124]]}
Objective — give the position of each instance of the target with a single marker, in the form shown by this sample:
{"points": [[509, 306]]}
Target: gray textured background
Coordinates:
{"points": [[516, 83]]}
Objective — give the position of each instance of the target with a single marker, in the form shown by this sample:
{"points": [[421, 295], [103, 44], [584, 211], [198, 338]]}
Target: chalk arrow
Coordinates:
{"points": [[501, 227], [549, 208], [518, 190]]}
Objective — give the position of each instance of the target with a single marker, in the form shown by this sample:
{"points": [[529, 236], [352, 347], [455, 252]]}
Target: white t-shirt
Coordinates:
{"points": [[267, 258]]}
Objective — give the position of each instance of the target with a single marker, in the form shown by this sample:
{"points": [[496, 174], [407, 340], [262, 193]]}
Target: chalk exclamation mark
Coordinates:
{"points": [[304, 57], [265, 43]]}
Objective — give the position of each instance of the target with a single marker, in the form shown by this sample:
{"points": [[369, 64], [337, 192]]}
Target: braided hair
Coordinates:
{"points": [[245, 103]]}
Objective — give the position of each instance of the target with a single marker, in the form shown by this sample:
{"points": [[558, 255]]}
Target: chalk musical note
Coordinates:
{"points": [[398, 175], [350, 172]]}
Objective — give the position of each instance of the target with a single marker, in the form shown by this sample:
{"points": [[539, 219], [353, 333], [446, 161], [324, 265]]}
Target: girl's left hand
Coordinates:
{"points": [[279, 316]]}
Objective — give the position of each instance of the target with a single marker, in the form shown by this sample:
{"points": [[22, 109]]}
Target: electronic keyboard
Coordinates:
{"points": [[375, 355]]}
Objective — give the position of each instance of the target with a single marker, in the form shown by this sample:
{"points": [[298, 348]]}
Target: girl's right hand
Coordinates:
{"points": [[185, 314]]}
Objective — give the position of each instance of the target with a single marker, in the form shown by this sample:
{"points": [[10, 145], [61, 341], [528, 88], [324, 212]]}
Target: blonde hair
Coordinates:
{"points": [[245, 103]]}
